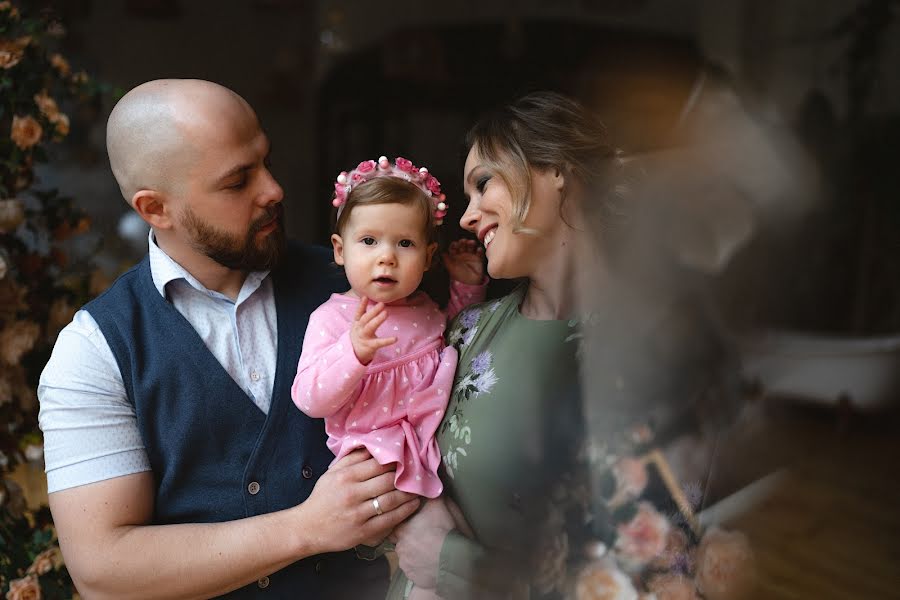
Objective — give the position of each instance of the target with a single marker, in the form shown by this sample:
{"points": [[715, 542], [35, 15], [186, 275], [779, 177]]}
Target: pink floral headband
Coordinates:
{"points": [[402, 169]]}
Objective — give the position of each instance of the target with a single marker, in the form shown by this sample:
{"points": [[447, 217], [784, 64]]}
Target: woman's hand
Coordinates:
{"points": [[464, 260], [419, 540]]}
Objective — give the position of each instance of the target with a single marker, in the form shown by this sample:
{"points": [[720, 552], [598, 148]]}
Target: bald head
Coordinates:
{"points": [[157, 132]]}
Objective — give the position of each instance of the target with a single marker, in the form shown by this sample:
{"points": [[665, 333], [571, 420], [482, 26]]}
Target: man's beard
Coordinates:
{"points": [[233, 252]]}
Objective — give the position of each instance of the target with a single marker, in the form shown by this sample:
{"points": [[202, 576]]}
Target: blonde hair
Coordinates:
{"points": [[543, 130], [387, 190]]}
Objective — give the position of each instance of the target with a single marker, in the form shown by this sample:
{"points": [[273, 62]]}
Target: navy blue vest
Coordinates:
{"points": [[208, 444]]}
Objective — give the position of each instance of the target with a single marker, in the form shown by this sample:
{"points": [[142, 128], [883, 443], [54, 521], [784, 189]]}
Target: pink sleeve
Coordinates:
{"points": [[328, 371], [463, 295]]}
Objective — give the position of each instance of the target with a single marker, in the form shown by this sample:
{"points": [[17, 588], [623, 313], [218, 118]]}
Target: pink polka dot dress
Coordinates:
{"points": [[392, 406]]}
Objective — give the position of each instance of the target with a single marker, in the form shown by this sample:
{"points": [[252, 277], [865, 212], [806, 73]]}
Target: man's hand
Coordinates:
{"points": [[419, 541], [362, 335], [464, 260], [340, 508]]}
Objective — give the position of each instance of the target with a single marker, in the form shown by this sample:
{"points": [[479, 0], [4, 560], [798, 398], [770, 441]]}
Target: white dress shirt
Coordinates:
{"points": [[90, 426]]}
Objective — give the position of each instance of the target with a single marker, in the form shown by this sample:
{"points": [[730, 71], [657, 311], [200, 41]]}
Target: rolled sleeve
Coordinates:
{"points": [[89, 426]]}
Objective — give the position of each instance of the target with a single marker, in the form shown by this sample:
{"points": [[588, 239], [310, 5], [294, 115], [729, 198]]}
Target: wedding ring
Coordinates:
{"points": [[377, 506]]}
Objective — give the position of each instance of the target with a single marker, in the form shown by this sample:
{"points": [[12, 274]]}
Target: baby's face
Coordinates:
{"points": [[384, 251]]}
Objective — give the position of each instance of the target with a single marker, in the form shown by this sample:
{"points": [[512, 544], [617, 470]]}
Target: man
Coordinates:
{"points": [[177, 465]]}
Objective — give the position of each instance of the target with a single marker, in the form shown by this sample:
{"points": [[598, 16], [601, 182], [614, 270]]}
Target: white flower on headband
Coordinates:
{"points": [[401, 169]]}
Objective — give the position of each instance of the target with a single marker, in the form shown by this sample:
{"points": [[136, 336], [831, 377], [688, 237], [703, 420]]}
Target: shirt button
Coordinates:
{"points": [[307, 472], [263, 582], [254, 376], [253, 488], [320, 566]]}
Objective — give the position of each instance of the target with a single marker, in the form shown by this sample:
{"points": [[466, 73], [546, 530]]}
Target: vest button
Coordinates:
{"points": [[307, 472], [253, 488], [263, 582]]}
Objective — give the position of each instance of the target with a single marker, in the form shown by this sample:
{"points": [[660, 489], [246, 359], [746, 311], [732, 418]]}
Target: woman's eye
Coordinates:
{"points": [[406, 243], [368, 241], [482, 182]]}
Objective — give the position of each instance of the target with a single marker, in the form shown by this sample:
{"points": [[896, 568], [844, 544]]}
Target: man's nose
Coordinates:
{"points": [[272, 191]]}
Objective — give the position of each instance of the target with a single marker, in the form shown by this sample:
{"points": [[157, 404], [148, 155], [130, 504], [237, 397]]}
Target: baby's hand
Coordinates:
{"points": [[362, 334], [465, 262]]}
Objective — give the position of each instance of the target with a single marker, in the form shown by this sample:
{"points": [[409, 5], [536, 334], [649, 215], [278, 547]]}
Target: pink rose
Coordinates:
{"points": [[366, 166], [643, 538], [17, 339], [433, 185], [61, 64], [603, 581], [26, 131], [62, 124], [26, 588], [46, 561], [12, 213], [725, 565], [678, 554], [631, 479], [357, 178], [406, 166], [673, 587]]}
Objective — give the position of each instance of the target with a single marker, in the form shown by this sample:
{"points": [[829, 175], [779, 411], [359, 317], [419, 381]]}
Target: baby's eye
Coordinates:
{"points": [[368, 241], [407, 243]]}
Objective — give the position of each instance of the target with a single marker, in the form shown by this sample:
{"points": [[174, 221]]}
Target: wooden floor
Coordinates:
{"points": [[831, 528]]}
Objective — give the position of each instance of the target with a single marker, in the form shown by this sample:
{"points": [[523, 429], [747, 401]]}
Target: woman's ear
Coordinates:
{"points": [[338, 244], [153, 207], [559, 179]]}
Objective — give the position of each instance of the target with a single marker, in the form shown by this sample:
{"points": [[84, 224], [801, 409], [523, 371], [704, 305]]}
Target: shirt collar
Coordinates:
{"points": [[164, 271]]}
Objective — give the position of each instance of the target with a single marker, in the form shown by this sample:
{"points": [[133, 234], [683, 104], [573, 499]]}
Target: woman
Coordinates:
{"points": [[512, 419]]}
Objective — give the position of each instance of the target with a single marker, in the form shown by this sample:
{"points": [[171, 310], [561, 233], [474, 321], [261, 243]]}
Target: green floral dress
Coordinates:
{"points": [[511, 420]]}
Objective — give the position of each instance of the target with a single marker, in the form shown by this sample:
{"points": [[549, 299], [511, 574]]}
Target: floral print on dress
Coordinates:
{"points": [[479, 380], [464, 329]]}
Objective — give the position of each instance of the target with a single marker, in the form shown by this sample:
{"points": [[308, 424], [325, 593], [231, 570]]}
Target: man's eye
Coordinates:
{"points": [[407, 243], [238, 184], [368, 241]]}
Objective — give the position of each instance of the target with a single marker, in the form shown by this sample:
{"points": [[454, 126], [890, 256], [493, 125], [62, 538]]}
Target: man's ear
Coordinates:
{"points": [[154, 208], [429, 254], [338, 245]]}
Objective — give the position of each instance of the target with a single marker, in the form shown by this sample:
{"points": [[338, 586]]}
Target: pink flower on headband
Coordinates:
{"points": [[433, 185], [366, 166], [402, 169], [406, 166]]}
